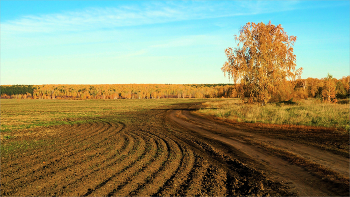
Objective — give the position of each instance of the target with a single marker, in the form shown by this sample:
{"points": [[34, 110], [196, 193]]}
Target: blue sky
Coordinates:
{"points": [[113, 42]]}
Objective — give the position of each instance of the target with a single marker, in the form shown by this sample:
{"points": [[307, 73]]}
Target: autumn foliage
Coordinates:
{"points": [[118, 91], [329, 88], [299, 89], [263, 62]]}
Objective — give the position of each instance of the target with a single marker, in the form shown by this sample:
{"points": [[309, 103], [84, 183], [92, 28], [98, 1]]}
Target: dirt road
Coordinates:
{"points": [[299, 179]]}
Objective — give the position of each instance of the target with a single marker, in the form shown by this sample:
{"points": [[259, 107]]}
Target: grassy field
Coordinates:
{"points": [[305, 112], [25, 124], [24, 114], [27, 117]]}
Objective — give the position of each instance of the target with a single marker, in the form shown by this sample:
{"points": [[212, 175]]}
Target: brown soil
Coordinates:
{"points": [[164, 152], [299, 176]]}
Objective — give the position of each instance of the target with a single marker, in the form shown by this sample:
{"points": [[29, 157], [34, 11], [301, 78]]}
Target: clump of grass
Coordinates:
{"points": [[307, 112], [7, 137], [21, 146], [5, 130]]}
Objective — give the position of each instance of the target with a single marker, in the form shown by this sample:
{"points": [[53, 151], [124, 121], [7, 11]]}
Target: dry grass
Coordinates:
{"points": [[305, 112]]}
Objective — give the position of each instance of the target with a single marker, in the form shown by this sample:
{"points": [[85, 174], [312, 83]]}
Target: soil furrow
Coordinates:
{"points": [[194, 184], [69, 169], [57, 165], [34, 173], [174, 183], [157, 180], [124, 170], [50, 161], [38, 156], [131, 179], [103, 176], [111, 161], [34, 154], [113, 155]]}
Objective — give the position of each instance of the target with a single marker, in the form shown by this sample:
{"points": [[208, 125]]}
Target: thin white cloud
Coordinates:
{"points": [[193, 40], [141, 14]]}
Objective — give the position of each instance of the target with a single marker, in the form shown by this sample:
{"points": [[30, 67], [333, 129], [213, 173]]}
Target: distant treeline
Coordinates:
{"points": [[118, 91], [324, 88], [16, 89]]}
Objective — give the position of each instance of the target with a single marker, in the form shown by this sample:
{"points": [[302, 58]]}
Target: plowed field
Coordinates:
{"points": [[162, 152]]}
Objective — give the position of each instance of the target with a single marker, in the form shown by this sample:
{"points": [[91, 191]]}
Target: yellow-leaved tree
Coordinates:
{"points": [[262, 61], [328, 91]]}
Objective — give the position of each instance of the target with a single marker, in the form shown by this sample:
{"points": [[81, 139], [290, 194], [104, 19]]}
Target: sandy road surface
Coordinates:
{"points": [[299, 179]]}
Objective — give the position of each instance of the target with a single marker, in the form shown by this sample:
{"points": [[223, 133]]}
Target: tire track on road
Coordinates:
{"points": [[301, 180]]}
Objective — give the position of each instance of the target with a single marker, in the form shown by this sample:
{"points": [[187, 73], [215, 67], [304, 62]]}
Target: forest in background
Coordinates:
{"points": [[327, 89]]}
